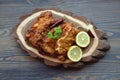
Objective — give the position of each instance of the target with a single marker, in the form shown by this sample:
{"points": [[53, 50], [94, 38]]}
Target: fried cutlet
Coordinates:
{"points": [[67, 38], [36, 34]]}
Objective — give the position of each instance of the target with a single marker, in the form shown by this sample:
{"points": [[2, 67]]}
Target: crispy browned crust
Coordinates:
{"points": [[98, 53]]}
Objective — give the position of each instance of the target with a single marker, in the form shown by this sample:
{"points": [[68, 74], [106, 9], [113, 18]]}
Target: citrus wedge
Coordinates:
{"points": [[74, 53], [82, 39]]}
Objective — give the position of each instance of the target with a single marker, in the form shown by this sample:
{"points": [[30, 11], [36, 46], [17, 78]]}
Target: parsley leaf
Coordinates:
{"points": [[56, 34], [50, 35]]}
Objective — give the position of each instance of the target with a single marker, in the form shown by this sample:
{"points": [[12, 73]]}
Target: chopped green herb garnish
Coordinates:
{"points": [[50, 35], [56, 34]]}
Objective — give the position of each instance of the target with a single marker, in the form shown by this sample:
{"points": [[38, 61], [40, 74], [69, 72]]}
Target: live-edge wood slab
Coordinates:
{"points": [[98, 52]]}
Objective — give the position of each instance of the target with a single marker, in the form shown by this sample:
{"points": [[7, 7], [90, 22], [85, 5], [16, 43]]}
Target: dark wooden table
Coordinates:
{"points": [[16, 64]]}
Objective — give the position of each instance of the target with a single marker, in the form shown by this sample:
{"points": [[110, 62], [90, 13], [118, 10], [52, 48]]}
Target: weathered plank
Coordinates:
{"points": [[16, 64]]}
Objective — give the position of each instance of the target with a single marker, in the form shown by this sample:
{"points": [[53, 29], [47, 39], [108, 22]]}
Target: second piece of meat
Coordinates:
{"points": [[67, 39]]}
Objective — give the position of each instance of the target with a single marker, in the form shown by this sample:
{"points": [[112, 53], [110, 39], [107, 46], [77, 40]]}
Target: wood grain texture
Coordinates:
{"points": [[16, 64]]}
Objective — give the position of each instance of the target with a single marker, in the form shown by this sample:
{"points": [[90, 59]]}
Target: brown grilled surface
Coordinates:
{"points": [[37, 36], [66, 40], [38, 32], [15, 64]]}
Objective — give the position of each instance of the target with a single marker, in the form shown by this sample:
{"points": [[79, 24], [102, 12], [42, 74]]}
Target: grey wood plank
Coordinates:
{"points": [[16, 64]]}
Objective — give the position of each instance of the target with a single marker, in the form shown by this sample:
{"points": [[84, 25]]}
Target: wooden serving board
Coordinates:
{"points": [[98, 52]]}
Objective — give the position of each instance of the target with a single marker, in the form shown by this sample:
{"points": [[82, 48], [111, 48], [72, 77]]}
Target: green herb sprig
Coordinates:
{"points": [[56, 34]]}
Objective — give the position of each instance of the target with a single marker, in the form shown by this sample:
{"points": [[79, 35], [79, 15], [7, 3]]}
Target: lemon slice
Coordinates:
{"points": [[74, 53], [82, 39]]}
